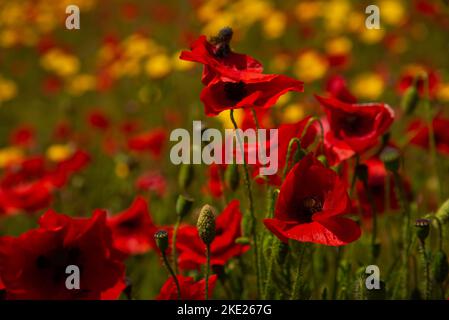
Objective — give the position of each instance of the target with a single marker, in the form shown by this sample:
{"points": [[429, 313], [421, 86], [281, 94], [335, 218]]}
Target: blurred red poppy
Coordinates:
{"points": [[358, 125], [133, 229], [152, 181], [28, 186], [33, 265], [152, 141], [23, 136], [190, 290], [420, 134], [311, 206], [192, 251], [98, 120]]}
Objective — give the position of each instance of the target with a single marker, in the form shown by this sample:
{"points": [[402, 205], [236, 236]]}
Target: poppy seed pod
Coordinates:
{"points": [[161, 238], [440, 267], [391, 159], [422, 228], [206, 224], [183, 205], [185, 176], [410, 100], [232, 176]]}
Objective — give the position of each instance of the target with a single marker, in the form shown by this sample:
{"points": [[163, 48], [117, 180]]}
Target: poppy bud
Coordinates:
{"points": [[391, 159], [232, 176], [183, 205], [440, 267], [410, 100], [298, 155], [161, 238], [206, 224], [422, 228], [185, 176]]}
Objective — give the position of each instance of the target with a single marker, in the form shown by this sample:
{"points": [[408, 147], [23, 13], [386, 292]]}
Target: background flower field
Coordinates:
{"points": [[86, 115]]}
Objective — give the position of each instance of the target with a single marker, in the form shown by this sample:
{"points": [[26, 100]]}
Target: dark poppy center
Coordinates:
{"points": [[235, 91], [130, 224], [56, 262], [308, 207]]}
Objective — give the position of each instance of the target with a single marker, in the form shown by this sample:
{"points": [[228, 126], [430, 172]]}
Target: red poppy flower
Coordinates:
{"points": [[407, 78], [33, 265], [28, 186], [377, 182], [98, 120], [335, 150], [420, 134], [152, 181], [133, 229], [311, 206], [247, 90], [192, 251], [358, 125], [152, 141], [190, 290], [337, 87], [216, 63], [23, 136]]}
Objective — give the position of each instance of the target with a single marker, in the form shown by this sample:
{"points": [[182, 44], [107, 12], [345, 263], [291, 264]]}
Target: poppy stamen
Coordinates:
{"points": [[235, 91]]}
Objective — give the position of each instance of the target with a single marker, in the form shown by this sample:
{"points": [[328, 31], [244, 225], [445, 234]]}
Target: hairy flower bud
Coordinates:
{"points": [[391, 159], [183, 205], [161, 238], [410, 100], [422, 228], [440, 267], [185, 176], [206, 224]]}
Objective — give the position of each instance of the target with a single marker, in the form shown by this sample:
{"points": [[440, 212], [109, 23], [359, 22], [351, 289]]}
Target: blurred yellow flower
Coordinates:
{"points": [[158, 66], [121, 170], [284, 99], [371, 36], [274, 25], [61, 63], [81, 83], [443, 92], [280, 63], [293, 113], [339, 45], [368, 86], [308, 10], [8, 89], [310, 66], [10, 155], [335, 14], [392, 12], [59, 152]]}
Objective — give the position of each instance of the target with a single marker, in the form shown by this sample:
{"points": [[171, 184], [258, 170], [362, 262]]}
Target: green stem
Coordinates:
{"points": [[289, 151], [337, 266], [374, 219], [251, 204], [174, 253], [207, 271], [432, 144], [297, 284], [256, 121], [170, 270], [425, 265]]}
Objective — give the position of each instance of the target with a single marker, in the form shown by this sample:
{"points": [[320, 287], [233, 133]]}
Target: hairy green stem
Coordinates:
{"points": [[174, 237], [207, 271], [170, 270], [297, 283], [251, 204], [426, 283]]}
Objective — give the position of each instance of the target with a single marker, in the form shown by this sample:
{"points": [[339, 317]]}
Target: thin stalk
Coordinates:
{"points": [[426, 284], [170, 270], [174, 237], [207, 271], [251, 204], [373, 219], [297, 283]]}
